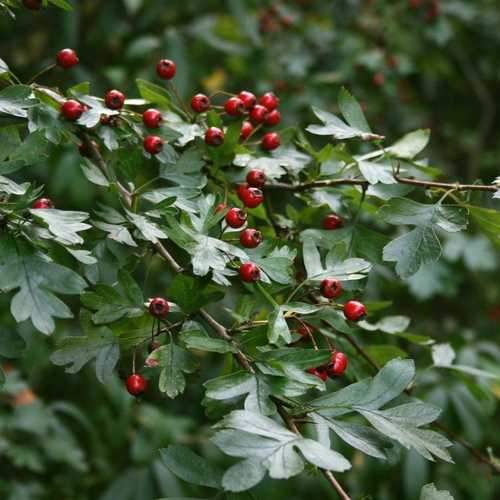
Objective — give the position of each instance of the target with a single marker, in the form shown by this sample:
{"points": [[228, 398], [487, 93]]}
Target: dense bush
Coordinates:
{"points": [[333, 322]]}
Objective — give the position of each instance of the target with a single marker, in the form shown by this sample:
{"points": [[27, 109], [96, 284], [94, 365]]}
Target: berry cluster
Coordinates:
{"points": [[335, 368]]}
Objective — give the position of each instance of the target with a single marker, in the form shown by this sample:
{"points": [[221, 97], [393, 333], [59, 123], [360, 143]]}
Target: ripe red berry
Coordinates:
{"points": [[234, 106], [270, 141], [67, 58], [246, 130], [43, 203], [152, 118], [273, 118], [331, 288], [220, 208], [332, 221], [200, 103], [250, 238], [114, 99], [305, 330], [338, 364], [153, 144], [256, 178], [166, 69], [258, 114], [214, 136], [354, 310], [249, 272], [236, 217], [269, 101], [136, 384], [249, 99], [72, 110], [319, 372], [250, 196], [378, 79], [33, 4], [158, 307]]}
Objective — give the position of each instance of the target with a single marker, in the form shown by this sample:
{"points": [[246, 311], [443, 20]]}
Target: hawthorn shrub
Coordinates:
{"points": [[239, 256]]}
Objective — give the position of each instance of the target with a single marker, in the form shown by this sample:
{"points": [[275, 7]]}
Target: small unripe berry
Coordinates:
{"points": [[200, 103], [33, 4], [269, 101], [246, 130], [234, 106], [153, 144], [166, 69], [136, 384], [214, 136], [114, 99], [332, 221], [72, 110], [67, 58], [220, 208], [249, 99], [249, 272], [250, 238], [331, 288], [236, 217], [258, 114], [270, 141], [152, 118], [273, 118], [354, 310], [250, 196], [338, 364], [319, 372], [43, 203], [159, 307], [256, 178]]}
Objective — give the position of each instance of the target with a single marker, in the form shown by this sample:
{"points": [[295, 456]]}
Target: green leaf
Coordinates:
{"points": [[430, 492], [38, 279], [389, 324], [488, 220], [190, 467], [174, 361], [376, 172], [11, 343], [63, 224], [194, 337], [10, 187], [278, 328], [149, 230], [410, 145], [93, 174], [15, 100], [300, 358], [351, 111], [153, 93], [63, 4]]}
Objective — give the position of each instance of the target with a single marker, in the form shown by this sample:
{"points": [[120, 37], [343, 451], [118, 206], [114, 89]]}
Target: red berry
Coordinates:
{"points": [[214, 136], [72, 110], [270, 141], [246, 130], [136, 384], [273, 118], [249, 99], [159, 307], [220, 208], [354, 310], [249, 272], [114, 99], [378, 79], [152, 118], [250, 196], [256, 178], [153, 144], [33, 4], [67, 58], [269, 101], [200, 103], [43, 203], [250, 238], [415, 4], [338, 364], [166, 69], [332, 221], [234, 106], [331, 288], [305, 330], [236, 217], [321, 373], [258, 114]]}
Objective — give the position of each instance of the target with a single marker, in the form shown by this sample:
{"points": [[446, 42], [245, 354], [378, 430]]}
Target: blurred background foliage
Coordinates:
{"points": [[413, 64]]}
